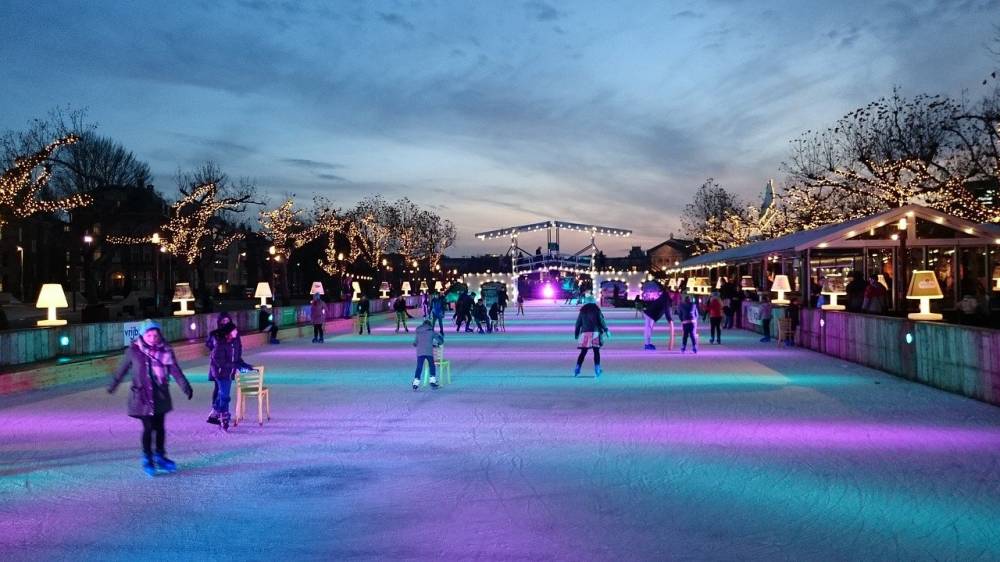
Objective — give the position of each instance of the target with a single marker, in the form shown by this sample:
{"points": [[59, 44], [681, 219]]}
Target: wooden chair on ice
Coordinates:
{"points": [[785, 331], [251, 384], [442, 365]]}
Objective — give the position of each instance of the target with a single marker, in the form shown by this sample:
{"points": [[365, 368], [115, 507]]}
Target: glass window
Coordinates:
{"points": [[883, 232], [942, 262], [972, 274], [931, 229]]}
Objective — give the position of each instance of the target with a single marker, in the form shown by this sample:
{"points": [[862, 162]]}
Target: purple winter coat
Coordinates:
{"points": [[317, 311], [147, 399]]}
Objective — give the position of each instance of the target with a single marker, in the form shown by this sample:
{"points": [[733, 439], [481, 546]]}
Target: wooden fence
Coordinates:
{"points": [[960, 359]]}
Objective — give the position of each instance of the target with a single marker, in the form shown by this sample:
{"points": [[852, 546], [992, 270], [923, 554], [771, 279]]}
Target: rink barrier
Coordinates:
{"points": [[94, 350], [960, 359]]}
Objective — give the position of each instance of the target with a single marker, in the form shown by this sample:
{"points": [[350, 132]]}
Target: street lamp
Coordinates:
{"points": [[900, 291], [155, 240], [20, 252]]}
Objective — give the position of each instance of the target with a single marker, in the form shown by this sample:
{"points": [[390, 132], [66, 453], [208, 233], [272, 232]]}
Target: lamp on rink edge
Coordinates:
{"points": [[183, 294], [438, 286], [996, 278], [51, 296], [357, 290], [317, 288], [406, 288], [746, 283], [924, 286], [384, 289], [263, 293], [781, 286], [423, 287], [833, 285]]}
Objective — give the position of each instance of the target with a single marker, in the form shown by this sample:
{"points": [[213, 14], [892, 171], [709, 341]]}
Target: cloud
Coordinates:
{"points": [[331, 177], [688, 14], [396, 20], [542, 11], [310, 164]]}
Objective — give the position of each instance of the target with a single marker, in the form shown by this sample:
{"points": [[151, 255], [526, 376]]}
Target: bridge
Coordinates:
{"points": [[523, 262]]}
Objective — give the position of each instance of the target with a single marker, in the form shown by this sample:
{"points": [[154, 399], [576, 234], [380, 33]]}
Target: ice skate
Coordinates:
{"points": [[213, 418], [164, 464], [576, 371], [416, 384], [649, 347], [434, 383], [597, 371], [147, 466]]}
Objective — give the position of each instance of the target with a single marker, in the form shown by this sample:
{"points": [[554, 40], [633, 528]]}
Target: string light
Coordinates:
{"points": [[20, 186]]}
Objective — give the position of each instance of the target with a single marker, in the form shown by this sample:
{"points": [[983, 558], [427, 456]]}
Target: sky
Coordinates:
{"points": [[493, 113]]}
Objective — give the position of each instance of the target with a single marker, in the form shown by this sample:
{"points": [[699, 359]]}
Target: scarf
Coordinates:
{"points": [[160, 359]]}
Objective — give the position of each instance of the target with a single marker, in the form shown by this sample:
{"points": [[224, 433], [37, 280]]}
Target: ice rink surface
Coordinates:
{"points": [[746, 451]]}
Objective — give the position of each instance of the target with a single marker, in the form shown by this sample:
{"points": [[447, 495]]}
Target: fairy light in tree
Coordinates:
{"points": [[286, 232], [21, 186], [189, 233]]}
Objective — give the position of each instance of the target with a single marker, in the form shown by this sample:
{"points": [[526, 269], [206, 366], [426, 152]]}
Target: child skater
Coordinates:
{"points": [[317, 314], [225, 357], [590, 332], [151, 362], [427, 339]]}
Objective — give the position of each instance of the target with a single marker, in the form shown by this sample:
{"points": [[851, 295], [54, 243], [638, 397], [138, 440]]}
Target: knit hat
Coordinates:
{"points": [[148, 325]]}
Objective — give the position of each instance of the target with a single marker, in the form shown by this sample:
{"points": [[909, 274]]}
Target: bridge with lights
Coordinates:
{"points": [[553, 259]]}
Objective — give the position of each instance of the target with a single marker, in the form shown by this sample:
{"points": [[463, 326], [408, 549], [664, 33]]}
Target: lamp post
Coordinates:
{"points": [[900, 291], [155, 240], [20, 252]]}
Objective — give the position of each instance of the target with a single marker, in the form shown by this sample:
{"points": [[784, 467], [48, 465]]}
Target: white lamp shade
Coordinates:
{"points": [[438, 285], [263, 290], [833, 284], [781, 284], [384, 286], [317, 288], [182, 292], [406, 286], [51, 295], [423, 286]]}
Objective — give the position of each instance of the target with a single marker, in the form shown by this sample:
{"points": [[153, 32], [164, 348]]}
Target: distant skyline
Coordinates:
{"points": [[492, 113]]}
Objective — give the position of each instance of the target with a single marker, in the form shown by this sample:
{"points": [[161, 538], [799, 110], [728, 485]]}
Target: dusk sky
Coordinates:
{"points": [[493, 113]]}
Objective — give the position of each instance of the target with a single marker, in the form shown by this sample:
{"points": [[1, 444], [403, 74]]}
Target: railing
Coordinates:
{"points": [[551, 261]]}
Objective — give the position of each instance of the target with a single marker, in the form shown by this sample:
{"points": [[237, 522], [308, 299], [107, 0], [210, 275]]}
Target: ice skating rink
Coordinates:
{"points": [[746, 451]]}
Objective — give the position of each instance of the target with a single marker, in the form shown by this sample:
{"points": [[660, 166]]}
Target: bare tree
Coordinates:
{"points": [[24, 181], [716, 219]]}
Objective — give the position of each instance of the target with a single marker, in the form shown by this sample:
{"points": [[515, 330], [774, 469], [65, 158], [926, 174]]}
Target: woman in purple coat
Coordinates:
{"points": [[317, 314], [151, 362]]}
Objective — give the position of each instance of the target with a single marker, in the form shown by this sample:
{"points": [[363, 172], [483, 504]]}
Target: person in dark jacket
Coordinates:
{"points": [[481, 316], [494, 315], [317, 314], [400, 307], [151, 362], [425, 342], [652, 312], [268, 323], [591, 329], [856, 291], [364, 309], [224, 359], [463, 312], [688, 314], [437, 306]]}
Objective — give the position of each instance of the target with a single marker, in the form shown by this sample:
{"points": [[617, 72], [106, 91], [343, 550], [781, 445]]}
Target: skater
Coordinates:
{"points": [[400, 307], [688, 314], [494, 314], [520, 305], [364, 308], [480, 315], [267, 323], [425, 342], [765, 318], [652, 312], [317, 314], [792, 312], [437, 311], [225, 357], [425, 304], [591, 329], [638, 305], [151, 362], [715, 318]]}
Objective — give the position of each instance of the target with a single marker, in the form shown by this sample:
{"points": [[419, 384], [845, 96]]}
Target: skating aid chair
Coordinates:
{"points": [[442, 365], [251, 384], [785, 331]]}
